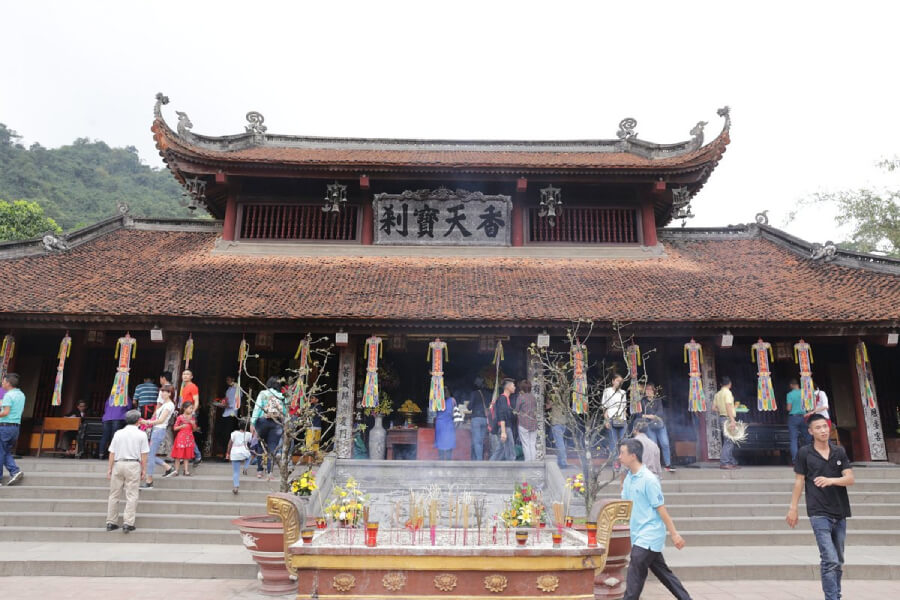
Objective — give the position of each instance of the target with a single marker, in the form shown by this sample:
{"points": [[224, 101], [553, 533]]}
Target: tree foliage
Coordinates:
{"points": [[24, 219], [872, 214], [79, 184]]}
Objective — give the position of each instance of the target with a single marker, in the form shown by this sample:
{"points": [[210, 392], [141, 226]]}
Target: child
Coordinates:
{"points": [[183, 447], [238, 453]]}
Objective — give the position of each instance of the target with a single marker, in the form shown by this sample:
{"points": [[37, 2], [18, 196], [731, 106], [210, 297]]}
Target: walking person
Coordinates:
{"points": [[558, 421], [267, 423], [128, 453], [723, 405], [655, 415], [821, 407], [238, 453], [615, 407], [650, 457], [649, 522], [499, 416], [823, 471], [113, 420], [526, 410], [11, 406], [445, 430], [228, 422], [159, 425], [146, 395], [478, 405], [796, 420], [183, 447]]}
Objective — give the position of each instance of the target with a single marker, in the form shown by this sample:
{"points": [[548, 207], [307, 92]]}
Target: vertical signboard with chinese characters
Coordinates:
{"points": [[442, 217]]}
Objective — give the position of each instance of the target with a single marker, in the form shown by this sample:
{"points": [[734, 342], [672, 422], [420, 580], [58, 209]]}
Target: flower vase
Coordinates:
{"points": [[377, 436], [521, 536]]}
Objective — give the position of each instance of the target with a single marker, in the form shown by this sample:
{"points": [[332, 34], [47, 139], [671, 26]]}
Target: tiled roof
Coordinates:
{"points": [[143, 274]]}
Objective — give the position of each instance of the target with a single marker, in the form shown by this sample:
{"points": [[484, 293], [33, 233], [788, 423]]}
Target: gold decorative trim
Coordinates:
{"points": [[381, 596], [343, 582], [547, 583], [495, 583], [611, 513], [394, 582], [445, 582], [304, 560]]}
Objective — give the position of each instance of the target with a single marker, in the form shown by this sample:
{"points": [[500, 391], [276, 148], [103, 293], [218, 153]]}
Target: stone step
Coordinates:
{"points": [[785, 537], [200, 481], [160, 507], [801, 562], [740, 522], [92, 465], [768, 510], [783, 497], [136, 559], [57, 492], [761, 485], [143, 520], [88, 535]]}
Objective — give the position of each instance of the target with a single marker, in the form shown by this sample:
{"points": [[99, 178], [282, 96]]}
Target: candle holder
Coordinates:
{"points": [[557, 540], [521, 536], [591, 534], [569, 521], [307, 535], [321, 523], [372, 534]]}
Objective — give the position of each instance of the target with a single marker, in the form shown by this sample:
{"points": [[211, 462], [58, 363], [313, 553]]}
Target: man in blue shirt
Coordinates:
{"points": [[146, 394], [649, 522], [11, 407], [796, 421]]}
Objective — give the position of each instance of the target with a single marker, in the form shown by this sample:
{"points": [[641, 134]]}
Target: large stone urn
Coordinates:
{"points": [[267, 538], [377, 436], [614, 533]]}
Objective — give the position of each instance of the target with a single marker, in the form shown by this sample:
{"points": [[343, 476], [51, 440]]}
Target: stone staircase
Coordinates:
{"points": [[734, 524], [53, 523], [733, 521]]}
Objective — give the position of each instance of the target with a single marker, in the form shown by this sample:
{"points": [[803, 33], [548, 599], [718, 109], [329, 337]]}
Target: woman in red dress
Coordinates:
{"points": [[183, 447]]}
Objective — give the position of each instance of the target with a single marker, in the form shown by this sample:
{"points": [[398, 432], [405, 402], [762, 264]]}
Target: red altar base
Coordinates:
{"points": [[330, 569]]}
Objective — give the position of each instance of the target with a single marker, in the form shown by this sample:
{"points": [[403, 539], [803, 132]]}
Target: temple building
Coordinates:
{"points": [[472, 242]]}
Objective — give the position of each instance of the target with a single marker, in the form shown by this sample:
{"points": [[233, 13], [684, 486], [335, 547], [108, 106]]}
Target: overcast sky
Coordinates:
{"points": [[813, 87]]}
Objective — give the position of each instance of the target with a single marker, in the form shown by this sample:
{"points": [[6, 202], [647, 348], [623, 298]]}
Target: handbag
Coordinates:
{"points": [[617, 423]]}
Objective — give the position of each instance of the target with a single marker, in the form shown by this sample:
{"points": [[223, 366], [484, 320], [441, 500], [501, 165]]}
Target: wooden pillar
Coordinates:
{"points": [[367, 236], [230, 224], [343, 435], [710, 440], [72, 377], [868, 420], [536, 376], [648, 224]]}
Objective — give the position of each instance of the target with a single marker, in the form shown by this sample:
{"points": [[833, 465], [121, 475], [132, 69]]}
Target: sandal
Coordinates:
{"points": [[187, 474], [259, 474]]}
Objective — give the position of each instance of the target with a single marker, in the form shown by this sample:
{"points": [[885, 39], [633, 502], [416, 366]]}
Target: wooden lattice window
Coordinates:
{"points": [[586, 225], [298, 222]]}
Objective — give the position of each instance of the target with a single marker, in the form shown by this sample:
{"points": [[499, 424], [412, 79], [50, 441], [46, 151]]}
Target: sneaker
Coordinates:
{"points": [[234, 491], [147, 485], [197, 462], [15, 479], [670, 469], [171, 472]]}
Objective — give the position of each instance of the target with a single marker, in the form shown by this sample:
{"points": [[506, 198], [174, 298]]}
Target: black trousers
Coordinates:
{"points": [[642, 560]]}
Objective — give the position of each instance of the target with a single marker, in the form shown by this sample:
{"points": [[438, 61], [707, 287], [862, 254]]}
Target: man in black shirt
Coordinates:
{"points": [[824, 470], [499, 421]]}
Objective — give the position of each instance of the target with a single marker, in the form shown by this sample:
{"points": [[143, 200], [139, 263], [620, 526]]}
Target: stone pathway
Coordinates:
{"points": [[90, 588]]}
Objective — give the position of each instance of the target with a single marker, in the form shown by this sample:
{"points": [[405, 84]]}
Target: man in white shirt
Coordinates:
{"points": [[128, 453], [651, 449]]}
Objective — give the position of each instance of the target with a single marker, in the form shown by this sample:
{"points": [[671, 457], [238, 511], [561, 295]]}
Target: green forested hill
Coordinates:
{"points": [[80, 184]]}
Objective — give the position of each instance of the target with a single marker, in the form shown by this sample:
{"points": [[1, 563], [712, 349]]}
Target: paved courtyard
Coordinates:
{"points": [[90, 588]]}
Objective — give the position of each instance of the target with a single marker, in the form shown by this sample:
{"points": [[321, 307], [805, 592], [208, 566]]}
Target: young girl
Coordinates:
{"points": [[238, 453], [183, 447]]}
